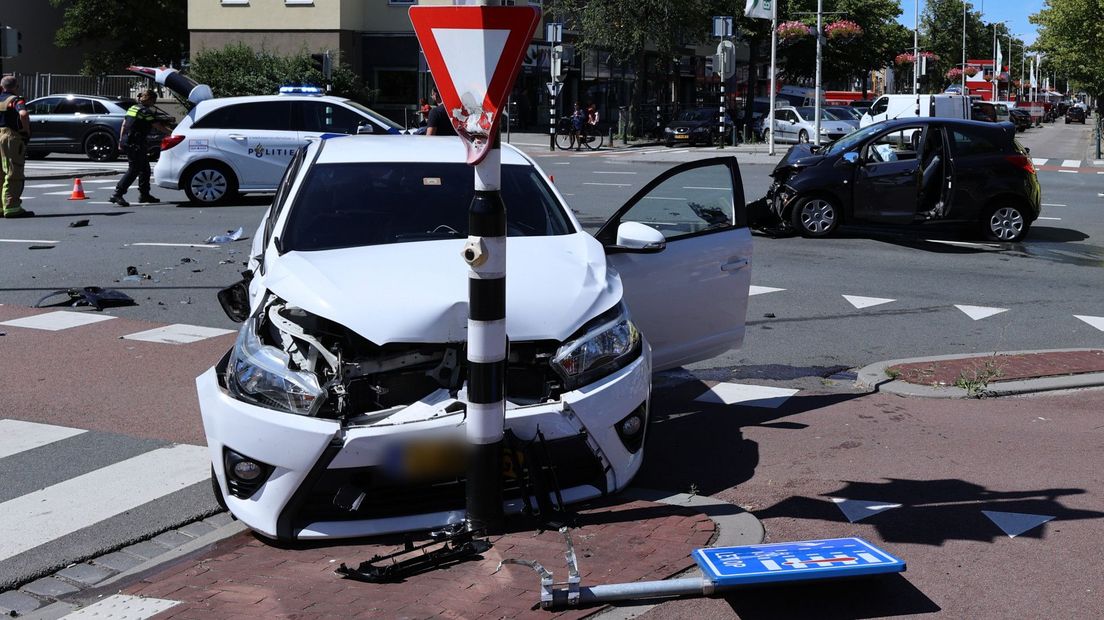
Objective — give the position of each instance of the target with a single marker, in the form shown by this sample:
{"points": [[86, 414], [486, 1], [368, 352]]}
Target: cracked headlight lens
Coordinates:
{"points": [[259, 374], [608, 346]]}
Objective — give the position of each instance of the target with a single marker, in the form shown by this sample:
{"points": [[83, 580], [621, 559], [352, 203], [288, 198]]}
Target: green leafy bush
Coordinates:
{"points": [[238, 70]]}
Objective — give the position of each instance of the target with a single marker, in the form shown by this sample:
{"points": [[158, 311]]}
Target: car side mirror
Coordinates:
{"points": [[851, 157], [793, 122], [365, 128], [637, 237]]}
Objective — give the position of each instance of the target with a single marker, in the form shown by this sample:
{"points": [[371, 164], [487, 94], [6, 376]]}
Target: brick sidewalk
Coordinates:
{"points": [[246, 577], [1000, 367]]}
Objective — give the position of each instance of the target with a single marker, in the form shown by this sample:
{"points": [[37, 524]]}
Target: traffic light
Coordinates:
{"points": [[11, 42], [323, 64]]}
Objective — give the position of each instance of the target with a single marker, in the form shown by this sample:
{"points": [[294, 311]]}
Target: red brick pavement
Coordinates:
{"points": [[246, 577], [1001, 367]]}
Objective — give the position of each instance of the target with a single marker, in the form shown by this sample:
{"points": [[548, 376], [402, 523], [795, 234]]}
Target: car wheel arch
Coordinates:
{"points": [[1003, 200], [233, 181], [824, 194]]}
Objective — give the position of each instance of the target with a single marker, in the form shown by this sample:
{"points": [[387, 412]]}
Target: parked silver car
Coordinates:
{"points": [[80, 124], [796, 124]]}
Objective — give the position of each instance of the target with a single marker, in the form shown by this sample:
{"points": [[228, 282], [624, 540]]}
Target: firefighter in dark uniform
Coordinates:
{"points": [[140, 119]]}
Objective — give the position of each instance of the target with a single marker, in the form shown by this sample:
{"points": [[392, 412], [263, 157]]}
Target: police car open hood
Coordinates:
{"points": [[418, 292]]}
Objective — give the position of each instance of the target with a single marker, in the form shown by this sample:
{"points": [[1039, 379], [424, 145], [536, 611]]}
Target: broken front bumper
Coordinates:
{"points": [[327, 478]]}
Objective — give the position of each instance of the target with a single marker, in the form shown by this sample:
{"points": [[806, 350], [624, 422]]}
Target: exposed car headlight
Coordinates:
{"points": [[259, 374], [608, 345]]}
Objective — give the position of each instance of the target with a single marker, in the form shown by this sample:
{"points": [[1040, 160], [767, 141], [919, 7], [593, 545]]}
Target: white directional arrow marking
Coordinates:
{"points": [[1095, 321], [866, 302], [857, 510], [1015, 523], [762, 290], [980, 312]]}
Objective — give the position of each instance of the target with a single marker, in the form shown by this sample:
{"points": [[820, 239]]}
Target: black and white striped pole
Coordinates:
{"points": [[485, 253]]}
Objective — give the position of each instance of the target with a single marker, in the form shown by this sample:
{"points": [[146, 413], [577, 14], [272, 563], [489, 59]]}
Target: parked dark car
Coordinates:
{"points": [[1075, 114], [81, 124], [694, 126], [1021, 118], [906, 171]]}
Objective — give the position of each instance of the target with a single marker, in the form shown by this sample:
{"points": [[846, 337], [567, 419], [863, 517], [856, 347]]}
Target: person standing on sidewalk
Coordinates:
{"points": [[132, 140], [15, 131], [438, 123]]}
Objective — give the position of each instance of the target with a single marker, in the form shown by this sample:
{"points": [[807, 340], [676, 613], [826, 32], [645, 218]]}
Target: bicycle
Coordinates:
{"points": [[567, 138], [565, 134]]}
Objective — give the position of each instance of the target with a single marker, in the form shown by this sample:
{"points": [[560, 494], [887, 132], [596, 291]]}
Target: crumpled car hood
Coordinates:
{"points": [[799, 156], [418, 292]]}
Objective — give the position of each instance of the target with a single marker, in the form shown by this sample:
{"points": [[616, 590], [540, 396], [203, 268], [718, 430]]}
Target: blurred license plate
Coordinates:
{"points": [[682, 135]]}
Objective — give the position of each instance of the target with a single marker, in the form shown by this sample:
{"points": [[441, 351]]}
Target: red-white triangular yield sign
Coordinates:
{"points": [[474, 54]]}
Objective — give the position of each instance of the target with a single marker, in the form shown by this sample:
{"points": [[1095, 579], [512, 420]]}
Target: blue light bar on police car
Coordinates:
{"points": [[300, 90]]}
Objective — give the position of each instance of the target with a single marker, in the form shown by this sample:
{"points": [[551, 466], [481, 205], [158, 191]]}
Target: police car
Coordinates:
{"points": [[243, 144]]}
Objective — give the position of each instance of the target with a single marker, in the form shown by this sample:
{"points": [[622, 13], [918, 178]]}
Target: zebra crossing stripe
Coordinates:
{"points": [[123, 607], [1071, 163], [37, 518], [57, 321], [20, 436], [178, 333]]}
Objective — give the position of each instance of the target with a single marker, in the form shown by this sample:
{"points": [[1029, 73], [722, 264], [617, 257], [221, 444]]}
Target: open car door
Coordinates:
{"points": [[683, 249]]}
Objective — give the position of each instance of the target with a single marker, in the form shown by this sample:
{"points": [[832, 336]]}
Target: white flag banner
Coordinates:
{"points": [[1000, 63], [759, 9], [1034, 84]]}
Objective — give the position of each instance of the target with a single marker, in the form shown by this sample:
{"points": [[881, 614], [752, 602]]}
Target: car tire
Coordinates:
{"points": [[803, 137], [814, 216], [766, 136], [1004, 222], [210, 183], [101, 146], [217, 490]]}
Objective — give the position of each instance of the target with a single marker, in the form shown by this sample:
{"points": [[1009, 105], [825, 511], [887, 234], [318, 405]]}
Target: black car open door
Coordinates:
{"points": [[887, 183]]}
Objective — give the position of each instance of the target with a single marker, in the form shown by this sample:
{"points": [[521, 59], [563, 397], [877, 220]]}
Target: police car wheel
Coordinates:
{"points": [[100, 146], [210, 183]]}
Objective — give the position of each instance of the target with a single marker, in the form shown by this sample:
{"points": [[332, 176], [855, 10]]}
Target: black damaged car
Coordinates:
{"points": [[906, 171]]}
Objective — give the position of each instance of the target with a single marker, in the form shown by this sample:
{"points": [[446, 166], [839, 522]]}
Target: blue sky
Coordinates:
{"points": [[1015, 11]]}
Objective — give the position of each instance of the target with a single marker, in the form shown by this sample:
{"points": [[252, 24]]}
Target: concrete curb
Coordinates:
{"points": [[874, 377]]}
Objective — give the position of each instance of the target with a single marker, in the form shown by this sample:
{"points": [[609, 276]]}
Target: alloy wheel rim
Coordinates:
{"points": [[1006, 223], [209, 185], [99, 145], [818, 216]]}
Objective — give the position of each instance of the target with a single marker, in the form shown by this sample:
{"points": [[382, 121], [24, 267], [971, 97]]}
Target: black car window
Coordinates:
{"points": [[326, 117], [43, 106], [262, 115], [967, 143], [98, 108], [898, 145], [880, 106], [74, 105], [360, 204]]}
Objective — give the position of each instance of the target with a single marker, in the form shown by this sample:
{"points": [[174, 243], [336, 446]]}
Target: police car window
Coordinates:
{"points": [[43, 106], [328, 117], [261, 115], [359, 204]]}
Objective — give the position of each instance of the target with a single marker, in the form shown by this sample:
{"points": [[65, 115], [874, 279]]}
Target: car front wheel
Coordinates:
{"points": [[100, 146], [814, 217], [1004, 222], [210, 183], [803, 137]]}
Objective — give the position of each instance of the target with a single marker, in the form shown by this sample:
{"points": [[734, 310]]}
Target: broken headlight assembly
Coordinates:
{"points": [[606, 345], [260, 374]]}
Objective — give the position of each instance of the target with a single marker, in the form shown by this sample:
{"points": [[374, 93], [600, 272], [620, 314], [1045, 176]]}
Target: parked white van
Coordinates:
{"points": [[888, 107]]}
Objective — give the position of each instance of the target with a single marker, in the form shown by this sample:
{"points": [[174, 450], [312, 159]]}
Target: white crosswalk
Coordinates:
{"points": [[178, 333]]}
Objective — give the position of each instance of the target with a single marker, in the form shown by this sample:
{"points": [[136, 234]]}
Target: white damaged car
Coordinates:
{"points": [[334, 413]]}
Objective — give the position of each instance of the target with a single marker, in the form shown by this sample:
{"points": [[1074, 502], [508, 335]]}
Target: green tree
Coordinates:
{"points": [[1071, 34], [941, 32], [124, 32], [238, 69]]}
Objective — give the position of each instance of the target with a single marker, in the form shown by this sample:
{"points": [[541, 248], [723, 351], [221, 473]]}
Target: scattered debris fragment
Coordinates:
{"points": [[187, 260], [40, 247], [94, 296], [231, 235], [456, 545], [78, 223], [132, 270], [769, 315]]}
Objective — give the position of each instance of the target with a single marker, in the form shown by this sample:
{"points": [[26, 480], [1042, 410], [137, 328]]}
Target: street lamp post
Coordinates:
{"points": [[819, 59]]}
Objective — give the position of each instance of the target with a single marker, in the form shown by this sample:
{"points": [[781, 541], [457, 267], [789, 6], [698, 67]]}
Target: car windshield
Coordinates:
{"points": [[852, 139], [844, 113], [375, 115], [358, 204], [693, 115]]}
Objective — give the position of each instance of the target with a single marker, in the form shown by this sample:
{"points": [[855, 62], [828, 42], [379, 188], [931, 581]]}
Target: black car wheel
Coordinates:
{"points": [[1004, 222], [814, 216], [209, 183], [803, 137], [100, 146]]}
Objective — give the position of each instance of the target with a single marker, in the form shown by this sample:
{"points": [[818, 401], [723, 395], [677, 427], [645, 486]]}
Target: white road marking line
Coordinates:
{"points": [[1070, 171], [178, 333], [99, 202], [1100, 172], [1095, 321], [561, 163], [966, 244], [27, 197], [57, 321], [177, 245], [611, 184], [27, 241], [611, 172], [980, 312], [67, 193], [43, 185], [1038, 161], [1056, 219], [1047, 204], [122, 607], [1071, 163], [37, 518], [748, 395], [113, 181], [20, 436], [762, 290], [663, 198], [1098, 162], [866, 302]]}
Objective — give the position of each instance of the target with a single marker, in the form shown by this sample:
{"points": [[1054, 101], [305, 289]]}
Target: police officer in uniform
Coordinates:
{"points": [[132, 140], [15, 131]]}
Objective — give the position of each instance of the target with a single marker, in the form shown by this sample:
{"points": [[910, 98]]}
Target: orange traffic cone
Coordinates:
{"points": [[78, 191]]}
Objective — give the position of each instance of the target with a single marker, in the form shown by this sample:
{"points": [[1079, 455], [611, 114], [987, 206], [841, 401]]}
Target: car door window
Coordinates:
{"points": [[43, 106], [880, 106], [898, 145], [262, 115], [279, 200], [970, 143], [72, 105], [697, 200], [98, 108], [327, 117]]}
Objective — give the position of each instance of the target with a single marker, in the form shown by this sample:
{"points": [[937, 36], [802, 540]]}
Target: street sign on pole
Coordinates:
{"points": [[554, 88], [722, 26], [726, 66], [474, 54], [557, 63]]}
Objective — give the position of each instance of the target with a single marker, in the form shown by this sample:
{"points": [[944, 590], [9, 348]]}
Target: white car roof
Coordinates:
{"points": [[210, 104], [443, 149]]}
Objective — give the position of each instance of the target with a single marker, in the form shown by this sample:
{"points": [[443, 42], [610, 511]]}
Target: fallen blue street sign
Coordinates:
{"points": [[795, 561]]}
